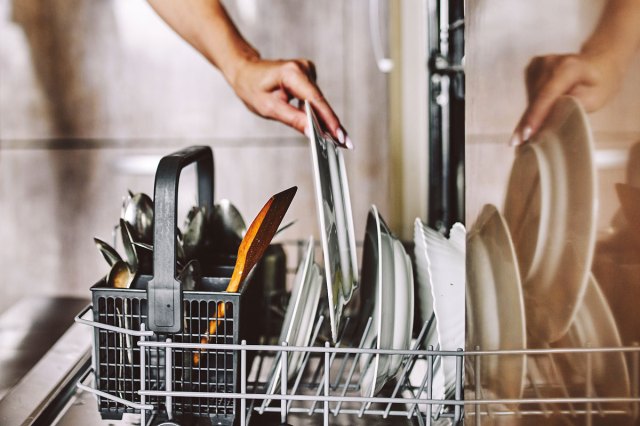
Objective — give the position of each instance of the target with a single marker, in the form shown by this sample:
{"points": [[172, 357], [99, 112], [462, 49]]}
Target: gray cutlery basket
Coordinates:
{"points": [[176, 315]]}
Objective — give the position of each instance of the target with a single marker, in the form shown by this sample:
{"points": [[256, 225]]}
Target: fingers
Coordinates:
{"points": [[547, 80], [276, 107], [267, 87], [300, 84]]}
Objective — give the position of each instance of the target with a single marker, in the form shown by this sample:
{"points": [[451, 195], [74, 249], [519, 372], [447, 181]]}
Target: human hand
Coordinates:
{"points": [[592, 79], [266, 87]]}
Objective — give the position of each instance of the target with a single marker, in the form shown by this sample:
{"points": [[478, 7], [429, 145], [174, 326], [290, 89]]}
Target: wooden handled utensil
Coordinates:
{"points": [[252, 247]]}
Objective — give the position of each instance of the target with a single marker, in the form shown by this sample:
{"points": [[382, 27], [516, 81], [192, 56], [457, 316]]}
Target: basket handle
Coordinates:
{"points": [[164, 292]]}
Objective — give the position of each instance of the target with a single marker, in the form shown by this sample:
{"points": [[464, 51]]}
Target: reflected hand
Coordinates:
{"points": [[592, 79], [266, 87]]}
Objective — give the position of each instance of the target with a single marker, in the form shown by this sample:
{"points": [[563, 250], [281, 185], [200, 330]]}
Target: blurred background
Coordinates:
{"points": [[93, 93]]}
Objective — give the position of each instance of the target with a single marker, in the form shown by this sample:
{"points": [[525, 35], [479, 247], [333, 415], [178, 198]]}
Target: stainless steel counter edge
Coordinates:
{"points": [[44, 383]]}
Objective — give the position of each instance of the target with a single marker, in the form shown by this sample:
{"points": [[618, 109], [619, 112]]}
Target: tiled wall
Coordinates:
{"points": [[103, 82]]}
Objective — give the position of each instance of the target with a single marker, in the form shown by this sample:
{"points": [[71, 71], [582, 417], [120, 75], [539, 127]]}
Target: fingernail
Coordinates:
{"points": [[307, 131], [348, 143], [515, 139], [340, 135], [526, 134]]}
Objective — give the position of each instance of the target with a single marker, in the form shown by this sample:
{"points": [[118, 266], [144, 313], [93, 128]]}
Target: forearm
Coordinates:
{"points": [[206, 26], [617, 35]]}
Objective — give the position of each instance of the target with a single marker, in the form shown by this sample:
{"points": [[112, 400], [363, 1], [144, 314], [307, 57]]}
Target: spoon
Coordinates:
{"points": [[128, 243], [109, 253], [193, 238], [252, 247], [231, 218], [190, 275], [228, 227], [120, 275], [138, 213]]}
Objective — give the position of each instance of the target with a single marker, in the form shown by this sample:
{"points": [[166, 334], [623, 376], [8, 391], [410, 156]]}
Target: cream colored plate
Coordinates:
{"points": [[495, 307], [594, 326], [551, 211]]}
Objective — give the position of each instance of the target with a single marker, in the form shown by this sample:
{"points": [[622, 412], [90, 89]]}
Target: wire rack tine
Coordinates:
{"points": [[332, 358], [305, 360], [353, 366], [563, 384], [406, 368]]}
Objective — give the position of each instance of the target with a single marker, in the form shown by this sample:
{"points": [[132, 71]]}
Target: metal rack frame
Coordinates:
{"points": [[317, 390]]}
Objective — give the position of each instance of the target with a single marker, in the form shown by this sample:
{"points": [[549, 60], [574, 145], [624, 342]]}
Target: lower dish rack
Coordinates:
{"points": [[327, 386]]}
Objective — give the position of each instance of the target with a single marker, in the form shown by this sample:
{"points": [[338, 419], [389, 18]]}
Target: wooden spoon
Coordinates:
{"points": [[252, 247]]}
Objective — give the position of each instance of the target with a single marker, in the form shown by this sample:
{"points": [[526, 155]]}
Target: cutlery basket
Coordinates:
{"points": [[156, 308]]}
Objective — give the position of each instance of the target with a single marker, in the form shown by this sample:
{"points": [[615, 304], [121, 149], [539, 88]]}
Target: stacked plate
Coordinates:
{"points": [[336, 220], [441, 276], [529, 280], [387, 295], [299, 317], [495, 305]]}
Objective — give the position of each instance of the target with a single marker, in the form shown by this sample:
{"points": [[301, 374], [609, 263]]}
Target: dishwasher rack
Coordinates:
{"points": [[328, 385]]}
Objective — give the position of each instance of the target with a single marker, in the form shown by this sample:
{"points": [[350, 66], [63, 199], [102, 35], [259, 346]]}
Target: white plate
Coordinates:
{"points": [[551, 211], [403, 311], [335, 217], [495, 306], [378, 292], [446, 263], [300, 315], [594, 326]]}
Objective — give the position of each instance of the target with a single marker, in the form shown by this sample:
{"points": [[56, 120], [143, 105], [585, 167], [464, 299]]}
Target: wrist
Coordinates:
{"points": [[236, 63]]}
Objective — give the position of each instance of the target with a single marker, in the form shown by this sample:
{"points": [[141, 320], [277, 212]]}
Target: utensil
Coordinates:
{"points": [[190, 275], [138, 213], [193, 238], [550, 208], [231, 219], [109, 253], [121, 275], [128, 243], [252, 247]]}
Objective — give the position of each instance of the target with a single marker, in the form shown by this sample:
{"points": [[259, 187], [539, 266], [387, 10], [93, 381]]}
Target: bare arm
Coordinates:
{"points": [[265, 86], [592, 75]]}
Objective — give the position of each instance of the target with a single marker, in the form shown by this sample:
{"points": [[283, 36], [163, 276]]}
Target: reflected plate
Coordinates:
{"points": [[495, 305], [594, 326], [551, 211], [335, 217]]}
